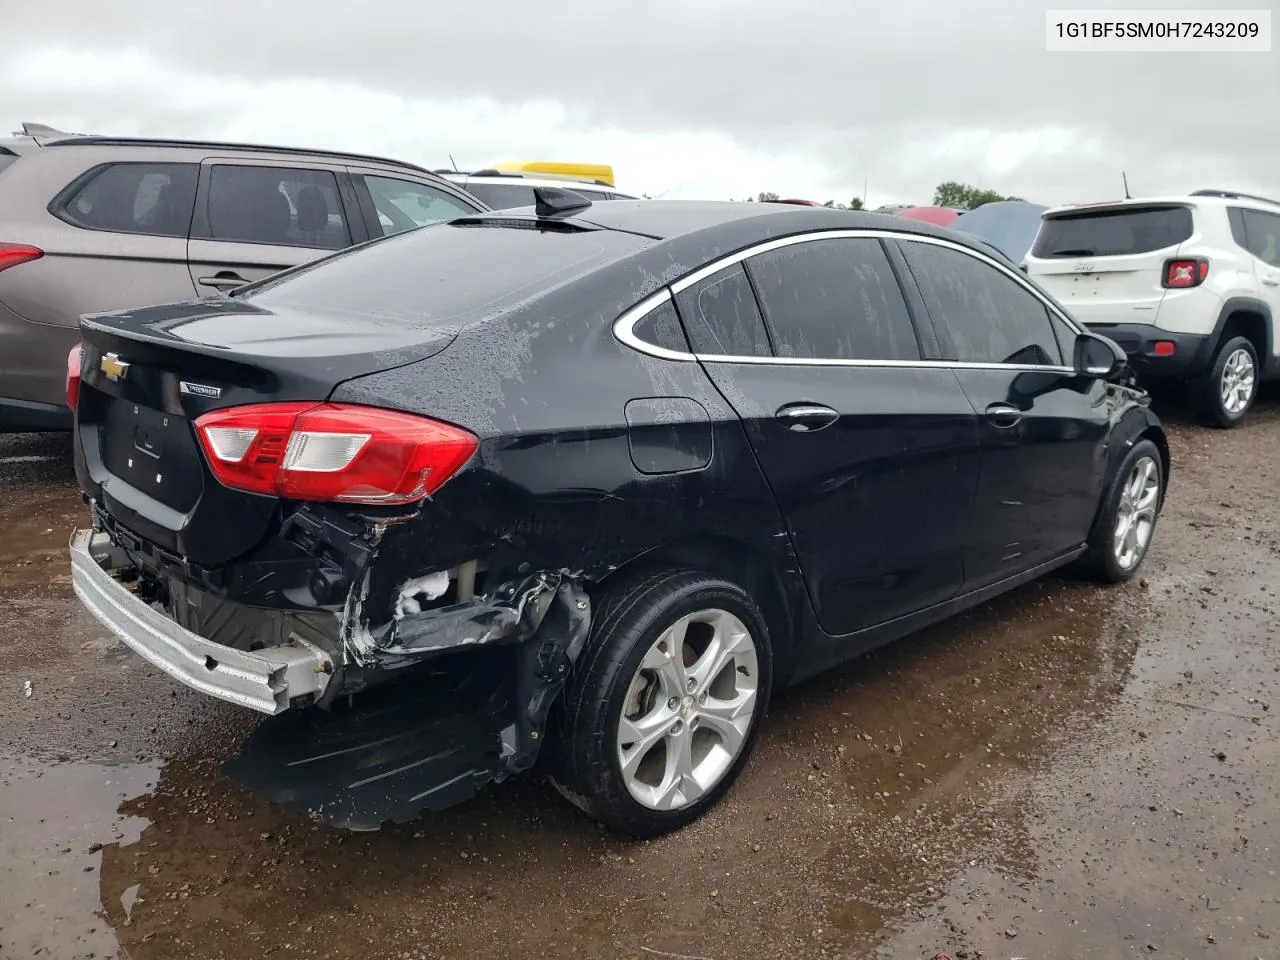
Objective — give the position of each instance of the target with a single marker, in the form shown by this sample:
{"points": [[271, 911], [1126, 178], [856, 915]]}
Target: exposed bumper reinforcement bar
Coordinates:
{"points": [[265, 680]]}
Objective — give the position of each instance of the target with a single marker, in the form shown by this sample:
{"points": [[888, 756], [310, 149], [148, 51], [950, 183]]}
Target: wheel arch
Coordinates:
{"points": [[1136, 424], [1155, 433], [738, 562], [1250, 318]]}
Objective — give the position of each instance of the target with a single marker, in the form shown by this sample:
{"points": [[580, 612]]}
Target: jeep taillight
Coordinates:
{"points": [[73, 376], [332, 451], [12, 254], [1187, 272]]}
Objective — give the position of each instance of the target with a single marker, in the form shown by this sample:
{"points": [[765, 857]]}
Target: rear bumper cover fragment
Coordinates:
{"points": [[266, 680]]}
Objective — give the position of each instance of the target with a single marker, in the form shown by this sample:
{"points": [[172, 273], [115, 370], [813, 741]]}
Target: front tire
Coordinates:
{"points": [[663, 708], [1225, 392], [1127, 523]]}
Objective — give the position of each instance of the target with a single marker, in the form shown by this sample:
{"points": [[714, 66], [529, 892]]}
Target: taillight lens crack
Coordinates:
{"points": [[332, 452]]}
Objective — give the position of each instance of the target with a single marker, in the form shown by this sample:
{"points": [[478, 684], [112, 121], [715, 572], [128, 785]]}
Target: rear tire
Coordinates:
{"points": [[1224, 393], [1126, 525], [664, 706]]}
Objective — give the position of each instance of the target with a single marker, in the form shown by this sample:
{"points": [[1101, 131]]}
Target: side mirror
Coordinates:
{"points": [[1096, 356]]}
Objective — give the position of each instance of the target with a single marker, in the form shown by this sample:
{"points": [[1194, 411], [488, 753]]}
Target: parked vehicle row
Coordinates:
{"points": [[573, 504], [92, 223]]}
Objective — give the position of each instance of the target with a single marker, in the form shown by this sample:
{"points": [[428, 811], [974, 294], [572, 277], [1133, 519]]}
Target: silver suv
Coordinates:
{"points": [[91, 223]]}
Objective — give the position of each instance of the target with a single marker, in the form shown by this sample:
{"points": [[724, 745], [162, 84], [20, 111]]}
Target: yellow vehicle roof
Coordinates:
{"points": [[602, 172]]}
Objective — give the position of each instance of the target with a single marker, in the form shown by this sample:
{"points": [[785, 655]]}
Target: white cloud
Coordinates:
{"points": [[718, 99]]}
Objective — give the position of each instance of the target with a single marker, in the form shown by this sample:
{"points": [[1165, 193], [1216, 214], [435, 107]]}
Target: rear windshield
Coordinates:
{"points": [[1112, 232], [446, 274], [507, 196]]}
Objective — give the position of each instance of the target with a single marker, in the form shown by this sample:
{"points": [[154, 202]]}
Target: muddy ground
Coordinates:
{"points": [[1069, 772]]}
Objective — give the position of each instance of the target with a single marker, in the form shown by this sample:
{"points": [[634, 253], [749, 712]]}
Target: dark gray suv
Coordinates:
{"points": [[92, 223]]}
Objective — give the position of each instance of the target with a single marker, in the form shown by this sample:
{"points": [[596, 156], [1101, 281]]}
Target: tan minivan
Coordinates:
{"points": [[91, 223]]}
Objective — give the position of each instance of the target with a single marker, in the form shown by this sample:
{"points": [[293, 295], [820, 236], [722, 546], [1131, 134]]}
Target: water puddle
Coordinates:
{"points": [[57, 823]]}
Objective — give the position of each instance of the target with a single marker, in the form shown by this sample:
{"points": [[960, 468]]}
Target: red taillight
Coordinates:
{"points": [[1164, 348], [1179, 274], [332, 451], [73, 376], [12, 254]]}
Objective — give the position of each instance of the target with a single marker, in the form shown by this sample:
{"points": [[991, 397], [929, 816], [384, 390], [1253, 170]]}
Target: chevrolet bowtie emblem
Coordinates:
{"points": [[112, 367]]}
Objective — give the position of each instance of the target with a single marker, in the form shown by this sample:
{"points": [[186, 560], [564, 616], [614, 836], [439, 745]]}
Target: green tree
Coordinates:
{"points": [[965, 196], [855, 203], [765, 196], [830, 204]]}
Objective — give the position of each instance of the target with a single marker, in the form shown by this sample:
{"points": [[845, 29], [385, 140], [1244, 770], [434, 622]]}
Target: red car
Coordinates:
{"points": [[938, 216]]}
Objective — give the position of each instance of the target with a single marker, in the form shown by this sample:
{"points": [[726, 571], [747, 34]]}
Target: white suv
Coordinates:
{"points": [[501, 190], [1189, 286]]}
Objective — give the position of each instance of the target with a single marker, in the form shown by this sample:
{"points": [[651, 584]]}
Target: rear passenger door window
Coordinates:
{"points": [[981, 314], [254, 219], [281, 206], [402, 205], [721, 316], [834, 299], [153, 199], [1262, 233]]}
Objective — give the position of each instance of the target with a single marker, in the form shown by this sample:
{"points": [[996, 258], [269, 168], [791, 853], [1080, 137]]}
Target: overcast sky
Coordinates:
{"points": [[717, 99]]}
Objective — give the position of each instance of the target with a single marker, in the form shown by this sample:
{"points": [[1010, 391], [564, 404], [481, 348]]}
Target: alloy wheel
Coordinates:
{"points": [[688, 710], [1136, 515], [1238, 381]]}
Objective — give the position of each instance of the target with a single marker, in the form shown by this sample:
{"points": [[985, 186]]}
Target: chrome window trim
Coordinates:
{"points": [[917, 364], [624, 326]]}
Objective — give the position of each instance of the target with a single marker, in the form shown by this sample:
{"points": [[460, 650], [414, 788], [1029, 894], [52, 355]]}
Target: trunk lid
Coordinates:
{"points": [[1105, 262], [147, 374]]}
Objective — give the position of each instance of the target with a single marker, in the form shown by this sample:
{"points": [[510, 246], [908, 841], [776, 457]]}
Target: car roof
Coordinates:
{"points": [[732, 222], [72, 140], [1184, 199]]}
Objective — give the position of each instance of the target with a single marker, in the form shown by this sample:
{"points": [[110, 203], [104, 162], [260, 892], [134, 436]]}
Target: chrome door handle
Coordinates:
{"points": [[806, 417], [1004, 415], [224, 280], [1271, 281]]}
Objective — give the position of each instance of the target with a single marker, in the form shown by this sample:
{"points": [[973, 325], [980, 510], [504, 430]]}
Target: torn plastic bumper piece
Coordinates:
{"points": [[433, 737], [420, 744], [510, 615]]}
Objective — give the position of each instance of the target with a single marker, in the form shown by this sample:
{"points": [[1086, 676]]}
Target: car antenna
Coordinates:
{"points": [[455, 164], [1126, 185], [554, 202]]}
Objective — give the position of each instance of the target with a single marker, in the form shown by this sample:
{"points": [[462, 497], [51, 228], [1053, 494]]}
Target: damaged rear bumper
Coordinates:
{"points": [[450, 697], [267, 680]]}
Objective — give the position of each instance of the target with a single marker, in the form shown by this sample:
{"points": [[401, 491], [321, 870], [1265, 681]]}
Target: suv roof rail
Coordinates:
{"points": [[81, 140], [1234, 195]]}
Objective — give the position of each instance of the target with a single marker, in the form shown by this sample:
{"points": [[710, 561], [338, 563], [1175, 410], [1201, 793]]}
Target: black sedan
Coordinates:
{"points": [[588, 484]]}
